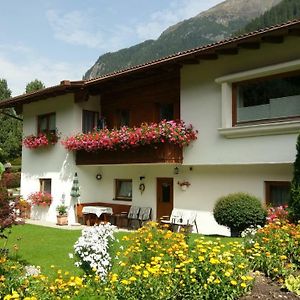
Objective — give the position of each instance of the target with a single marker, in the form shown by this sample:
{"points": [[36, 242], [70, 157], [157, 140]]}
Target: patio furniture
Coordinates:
{"points": [[144, 215], [181, 219], [87, 211], [133, 215]]}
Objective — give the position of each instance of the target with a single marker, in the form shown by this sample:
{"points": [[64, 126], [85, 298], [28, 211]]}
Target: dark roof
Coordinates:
{"points": [[273, 34]]}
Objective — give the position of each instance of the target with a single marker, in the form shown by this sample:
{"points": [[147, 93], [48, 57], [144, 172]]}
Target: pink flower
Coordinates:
{"points": [[175, 132]]}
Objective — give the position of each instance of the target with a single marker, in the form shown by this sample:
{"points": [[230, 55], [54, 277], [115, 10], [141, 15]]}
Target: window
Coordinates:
{"points": [[277, 192], [269, 98], [123, 189], [166, 112], [123, 117], [45, 185], [47, 123], [89, 120]]}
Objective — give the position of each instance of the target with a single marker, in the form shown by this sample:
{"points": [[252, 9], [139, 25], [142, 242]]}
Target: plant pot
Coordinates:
{"points": [[62, 220]]}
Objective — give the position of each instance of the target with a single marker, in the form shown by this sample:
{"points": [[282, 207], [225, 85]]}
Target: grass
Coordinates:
{"points": [[44, 246]]}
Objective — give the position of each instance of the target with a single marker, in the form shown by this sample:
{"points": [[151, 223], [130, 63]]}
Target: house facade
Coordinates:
{"points": [[242, 96]]}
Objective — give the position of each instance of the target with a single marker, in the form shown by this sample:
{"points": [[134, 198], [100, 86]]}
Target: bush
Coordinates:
{"points": [[11, 180], [239, 211]]}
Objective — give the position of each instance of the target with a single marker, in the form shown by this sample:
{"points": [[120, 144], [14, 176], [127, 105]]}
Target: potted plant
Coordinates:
{"points": [[62, 215], [184, 184]]}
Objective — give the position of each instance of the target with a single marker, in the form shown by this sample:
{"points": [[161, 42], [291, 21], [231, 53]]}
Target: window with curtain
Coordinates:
{"points": [[45, 185], [47, 123], [89, 120], [123, 189], [277, 193]]}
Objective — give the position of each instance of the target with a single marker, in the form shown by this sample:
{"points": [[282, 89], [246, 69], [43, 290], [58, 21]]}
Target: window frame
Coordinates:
{"points": [[42, 184], [235, 84], [118, 182], [118, 117], [47, 116], [96, 118], [269, 184]]}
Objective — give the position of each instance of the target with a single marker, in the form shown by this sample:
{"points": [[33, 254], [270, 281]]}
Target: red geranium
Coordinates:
{"points": [[41, 140], [175, 132], [40, 198]]}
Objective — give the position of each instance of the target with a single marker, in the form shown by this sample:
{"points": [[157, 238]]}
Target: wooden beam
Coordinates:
{"points": [[81, 96], [228, 51], [208, 56], [254, 45], [273, 39], [190, 61], [294, 31]]}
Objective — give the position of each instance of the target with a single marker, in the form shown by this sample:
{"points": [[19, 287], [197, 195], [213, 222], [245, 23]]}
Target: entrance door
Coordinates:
{"points": [[164, 198]]}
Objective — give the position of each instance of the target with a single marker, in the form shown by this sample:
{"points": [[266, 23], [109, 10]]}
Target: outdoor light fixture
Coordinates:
{"points": [[176, 170], [98, 176]]}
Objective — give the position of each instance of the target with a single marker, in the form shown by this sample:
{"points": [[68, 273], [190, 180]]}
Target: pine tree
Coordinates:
{"points": [[294, 203]]}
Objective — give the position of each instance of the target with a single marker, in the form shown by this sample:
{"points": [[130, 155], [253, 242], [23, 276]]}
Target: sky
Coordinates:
{"points": [[53, 40]]}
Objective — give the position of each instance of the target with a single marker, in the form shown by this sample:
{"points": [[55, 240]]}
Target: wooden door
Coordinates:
{"points": [[164, 197]]}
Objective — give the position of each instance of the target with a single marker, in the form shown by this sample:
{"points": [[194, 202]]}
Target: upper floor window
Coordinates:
{"points": [[123, 117], [269, 98], [89, 120], [47, 123], [166, 111], [277, 193]]}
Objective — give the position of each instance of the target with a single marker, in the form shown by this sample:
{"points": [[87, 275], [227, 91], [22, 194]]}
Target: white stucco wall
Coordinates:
{"points": [[53, 162], [201, 105]]}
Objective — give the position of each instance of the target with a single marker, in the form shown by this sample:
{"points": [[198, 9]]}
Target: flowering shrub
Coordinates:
{"points": [[92, 249], [174, 132], [40, 199], [279, 213], [41, 140], [159, 264], [275, 249]]}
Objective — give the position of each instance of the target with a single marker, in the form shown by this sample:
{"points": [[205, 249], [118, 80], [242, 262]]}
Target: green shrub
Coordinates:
{"points": [[294, 202], [239, 211]]}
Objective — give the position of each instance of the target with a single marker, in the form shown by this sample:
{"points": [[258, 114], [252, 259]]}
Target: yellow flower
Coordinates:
{"points": [[193, 270], [233, 282], [201, 258], [125, 282]]}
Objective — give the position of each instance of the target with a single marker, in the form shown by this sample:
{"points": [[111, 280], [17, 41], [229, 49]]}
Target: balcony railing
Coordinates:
{"points": [[160, 153]]}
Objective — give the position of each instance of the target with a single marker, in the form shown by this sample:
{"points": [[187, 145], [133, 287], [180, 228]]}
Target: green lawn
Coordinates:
{"points": [[44, 246]]}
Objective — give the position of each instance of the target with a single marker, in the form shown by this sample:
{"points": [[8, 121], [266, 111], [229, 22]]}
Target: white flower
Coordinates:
{"points": [[71, 255]]}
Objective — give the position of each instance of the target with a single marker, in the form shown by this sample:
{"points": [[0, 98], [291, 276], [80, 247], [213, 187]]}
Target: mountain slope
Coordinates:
{"points": [[284, 11], [207, 27]]}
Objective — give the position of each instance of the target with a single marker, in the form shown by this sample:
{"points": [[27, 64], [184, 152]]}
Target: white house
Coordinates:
{"points": [[241, 94]]}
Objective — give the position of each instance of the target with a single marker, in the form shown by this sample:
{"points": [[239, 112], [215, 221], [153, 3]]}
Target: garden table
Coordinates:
{"points": [[95, 210]]}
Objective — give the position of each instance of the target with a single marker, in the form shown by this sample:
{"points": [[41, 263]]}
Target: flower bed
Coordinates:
{"points": [[41, 140], [174, 132], [40, 199]]}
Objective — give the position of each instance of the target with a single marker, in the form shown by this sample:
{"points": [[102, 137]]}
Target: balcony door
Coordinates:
{"points": [[164, 197]]}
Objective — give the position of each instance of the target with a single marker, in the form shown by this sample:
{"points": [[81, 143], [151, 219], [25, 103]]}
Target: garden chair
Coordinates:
{"points": [[133, 216], [144, 215]]}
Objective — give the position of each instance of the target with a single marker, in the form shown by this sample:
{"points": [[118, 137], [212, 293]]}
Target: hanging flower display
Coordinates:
{"points": [[41, 140], [40, 199], [174, 132]]}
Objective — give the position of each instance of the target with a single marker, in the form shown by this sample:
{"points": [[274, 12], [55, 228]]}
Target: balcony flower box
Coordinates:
{"points": [[41, 140], [126, 138]]}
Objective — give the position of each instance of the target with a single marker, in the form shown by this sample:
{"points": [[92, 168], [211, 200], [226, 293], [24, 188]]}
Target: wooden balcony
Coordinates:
{"points": [[161, 153]]}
